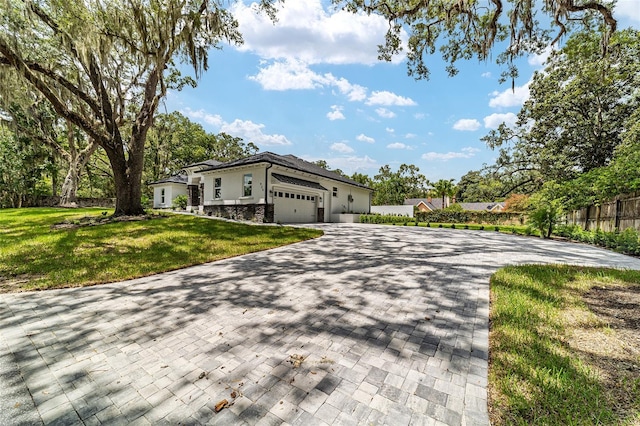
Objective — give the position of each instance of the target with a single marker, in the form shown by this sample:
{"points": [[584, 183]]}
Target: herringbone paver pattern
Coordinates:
{"points": [[367, 325]]}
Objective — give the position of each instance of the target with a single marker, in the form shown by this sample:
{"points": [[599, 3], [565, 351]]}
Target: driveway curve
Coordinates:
{"points": [[366, 325]]}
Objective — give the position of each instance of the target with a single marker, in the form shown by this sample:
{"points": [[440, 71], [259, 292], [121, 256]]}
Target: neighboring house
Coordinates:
{"points": [[425, 204], [268, 187], [431, 204], [486, 207], [166, 190]]}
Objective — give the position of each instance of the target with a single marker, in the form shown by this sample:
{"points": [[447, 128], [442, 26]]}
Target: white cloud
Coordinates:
{"points": [[467, 125], [335, 113], [252, 132], [390, 130], [388, 98], [214, 120], [410, 136], [385, 113], [364, 138], [467, 152], [493, 121], [486, 74], [341, 147], [245, 129], [398, 145], [292, 74], [419, 116], [308, 32], [628, 9], [540, 59], [510, 98]]}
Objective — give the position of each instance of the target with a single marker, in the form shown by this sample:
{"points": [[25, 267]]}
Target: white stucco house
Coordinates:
{"points": [[268, 187]]}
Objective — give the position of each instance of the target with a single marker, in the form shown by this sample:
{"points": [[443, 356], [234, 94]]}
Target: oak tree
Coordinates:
{"points": [[105, 66]]}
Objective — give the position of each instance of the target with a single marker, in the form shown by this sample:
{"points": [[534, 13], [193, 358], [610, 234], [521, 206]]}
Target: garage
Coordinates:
{"points": [[294, 206]]}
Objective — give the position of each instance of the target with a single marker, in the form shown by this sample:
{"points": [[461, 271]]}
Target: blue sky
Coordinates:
{"points": [[311, 85]]}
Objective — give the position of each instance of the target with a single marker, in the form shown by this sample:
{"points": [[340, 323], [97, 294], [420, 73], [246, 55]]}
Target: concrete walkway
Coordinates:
{"points": [[366, 325]]}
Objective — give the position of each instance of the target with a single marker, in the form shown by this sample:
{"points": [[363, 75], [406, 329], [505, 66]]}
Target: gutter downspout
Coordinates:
{"points": [[266, 187]]}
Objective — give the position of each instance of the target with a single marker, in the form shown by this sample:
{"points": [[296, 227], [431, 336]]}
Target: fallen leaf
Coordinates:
{"points": [[221, 405]]}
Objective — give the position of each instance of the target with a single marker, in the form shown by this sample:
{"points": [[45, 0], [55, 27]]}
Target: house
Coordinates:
{"points": [[268, 187], [431, 204], [494, 207], [166, 190], [426, 204]]}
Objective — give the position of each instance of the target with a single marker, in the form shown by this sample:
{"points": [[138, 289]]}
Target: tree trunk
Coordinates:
{"points": [[76, 162], [127, 177]]}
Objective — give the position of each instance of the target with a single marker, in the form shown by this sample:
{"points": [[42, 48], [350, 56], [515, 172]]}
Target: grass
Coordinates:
{"points": [[33, 256], [551, 362]]}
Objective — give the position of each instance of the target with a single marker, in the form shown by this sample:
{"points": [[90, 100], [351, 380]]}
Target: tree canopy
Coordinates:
{"points": [[464, 29], [105, 66]]}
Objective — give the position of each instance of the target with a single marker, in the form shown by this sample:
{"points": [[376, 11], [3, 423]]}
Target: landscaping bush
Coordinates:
{"points": [[627, 241], [180, 202], [454, 216]]}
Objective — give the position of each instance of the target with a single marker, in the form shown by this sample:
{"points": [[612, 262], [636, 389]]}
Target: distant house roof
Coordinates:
{"points": [[483, 206], [433, 203], [182, 179], [436, 204], [300, 182], [288, 161]]}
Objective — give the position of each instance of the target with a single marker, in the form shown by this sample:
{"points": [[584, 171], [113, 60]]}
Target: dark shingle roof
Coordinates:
{"points": [[481, 206], [288, 161], [434, 204], [206, 163], [171, 179], [300, 182]]}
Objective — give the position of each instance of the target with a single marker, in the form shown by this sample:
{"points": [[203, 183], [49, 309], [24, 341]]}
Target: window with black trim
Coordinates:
{"points": [[162, 195], [217, 188], [335, 191], [247, 185]]}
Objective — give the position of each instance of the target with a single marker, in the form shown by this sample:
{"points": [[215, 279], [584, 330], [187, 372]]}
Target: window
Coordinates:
{"points": [[308, 198], [335, 191], [247, 185], [313, 198], [162, 195], [286, 195], [280, 194], [217, 188], [298, 196]]}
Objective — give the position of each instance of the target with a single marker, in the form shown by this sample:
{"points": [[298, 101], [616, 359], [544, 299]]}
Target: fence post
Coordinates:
{"points": [[618, 214]]}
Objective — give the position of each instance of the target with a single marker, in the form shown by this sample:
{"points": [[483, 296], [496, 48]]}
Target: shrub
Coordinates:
{"points": [[180, 202]]}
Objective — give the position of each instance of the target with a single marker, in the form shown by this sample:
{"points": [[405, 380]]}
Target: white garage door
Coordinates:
{"points": [[294, 207]]}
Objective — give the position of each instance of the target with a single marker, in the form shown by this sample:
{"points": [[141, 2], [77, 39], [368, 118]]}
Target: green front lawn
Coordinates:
{"points": [[35, 256]]}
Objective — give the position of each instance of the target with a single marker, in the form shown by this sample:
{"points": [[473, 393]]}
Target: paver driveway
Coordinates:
{"points": [[366, 325]]}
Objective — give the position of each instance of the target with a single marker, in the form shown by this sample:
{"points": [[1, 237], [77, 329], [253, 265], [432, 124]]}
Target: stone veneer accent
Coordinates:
{"points": [[254, 212]]}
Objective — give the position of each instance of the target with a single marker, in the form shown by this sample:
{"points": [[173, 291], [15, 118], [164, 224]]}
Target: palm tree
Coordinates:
{"points": [[444, 188]]}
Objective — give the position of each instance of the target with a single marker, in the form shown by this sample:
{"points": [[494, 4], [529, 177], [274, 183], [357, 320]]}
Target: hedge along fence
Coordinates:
{"points": [[467, 216], [443, 216]]}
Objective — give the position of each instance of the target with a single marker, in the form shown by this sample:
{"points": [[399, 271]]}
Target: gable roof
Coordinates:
{"points": [[433, 203], [182, 179], [482, 206], [288, 161]]}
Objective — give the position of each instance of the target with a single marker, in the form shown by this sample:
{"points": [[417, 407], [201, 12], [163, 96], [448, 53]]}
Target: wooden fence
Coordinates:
{"points": [[620, 213]]}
